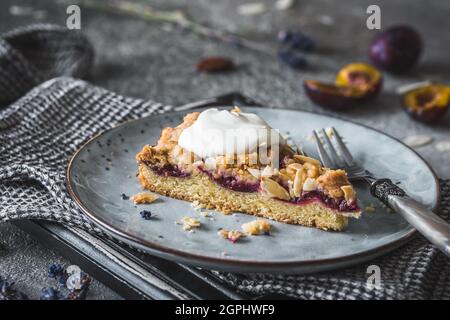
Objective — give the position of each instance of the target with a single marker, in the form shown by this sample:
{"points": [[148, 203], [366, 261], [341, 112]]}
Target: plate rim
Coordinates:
{"points": [[237, 264]]}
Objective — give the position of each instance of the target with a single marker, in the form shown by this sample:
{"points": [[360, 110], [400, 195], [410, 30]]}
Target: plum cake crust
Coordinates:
{"points": [[297, 191]]}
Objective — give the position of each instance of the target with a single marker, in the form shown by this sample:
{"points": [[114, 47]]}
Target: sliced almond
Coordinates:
{"points": [[291, 189], [283, 174], [412, 86], [298, 183], [268, 172], [254, 172], [313, 171], [250, 9], [310, 184], [443, 146], [349, 193], [210, 163], [294, 167], [274, 190], [305, 159], [418, 140], [284, 4]]}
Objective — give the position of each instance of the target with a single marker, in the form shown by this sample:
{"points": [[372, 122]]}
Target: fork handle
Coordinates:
{"points": [[431, 226]]}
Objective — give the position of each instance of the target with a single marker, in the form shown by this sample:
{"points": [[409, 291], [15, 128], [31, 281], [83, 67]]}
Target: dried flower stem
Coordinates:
{"points": [[178, 18]]}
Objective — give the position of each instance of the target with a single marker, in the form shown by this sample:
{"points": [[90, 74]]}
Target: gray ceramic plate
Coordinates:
{"points": [[105, 167]]}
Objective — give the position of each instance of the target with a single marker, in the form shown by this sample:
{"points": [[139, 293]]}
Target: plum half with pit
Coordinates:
{"points": [[428, 103], [355, 83], [397, 49]]}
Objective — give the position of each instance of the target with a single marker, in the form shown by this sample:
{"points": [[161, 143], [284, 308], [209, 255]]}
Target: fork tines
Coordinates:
{"points": [[338, 155]]}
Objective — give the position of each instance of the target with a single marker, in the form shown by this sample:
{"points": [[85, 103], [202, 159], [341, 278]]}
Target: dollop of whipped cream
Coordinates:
{"points": [[220, 132]]}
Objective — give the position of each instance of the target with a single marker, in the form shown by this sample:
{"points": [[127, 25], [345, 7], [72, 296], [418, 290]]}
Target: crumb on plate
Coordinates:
{"points": [[231, 235], [256, 227], [144, 197], [370, 208], [190, 223]]}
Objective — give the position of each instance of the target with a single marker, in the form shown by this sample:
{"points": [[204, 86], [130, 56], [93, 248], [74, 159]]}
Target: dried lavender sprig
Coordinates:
{"points": [[179, 18]]}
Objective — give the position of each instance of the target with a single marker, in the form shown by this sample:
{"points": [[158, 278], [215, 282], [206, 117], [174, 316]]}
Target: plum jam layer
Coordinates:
{"points": [[336, 204], [169, 170], [231, 182]]}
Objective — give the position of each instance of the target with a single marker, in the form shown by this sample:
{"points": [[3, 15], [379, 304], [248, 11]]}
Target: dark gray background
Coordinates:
{"points": [[149, 60]]}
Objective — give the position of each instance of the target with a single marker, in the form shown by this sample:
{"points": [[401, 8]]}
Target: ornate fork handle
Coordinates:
{"points": [[431, 226]]}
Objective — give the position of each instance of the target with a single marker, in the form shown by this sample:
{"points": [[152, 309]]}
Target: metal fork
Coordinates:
{"points": [[336, 155]]}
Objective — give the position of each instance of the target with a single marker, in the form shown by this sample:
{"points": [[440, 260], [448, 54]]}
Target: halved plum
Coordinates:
{"points": [[355, 84], [331, 96], [428, 103]]}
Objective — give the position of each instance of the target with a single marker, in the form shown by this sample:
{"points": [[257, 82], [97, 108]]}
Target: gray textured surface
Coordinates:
{"points": [[142, 59]]}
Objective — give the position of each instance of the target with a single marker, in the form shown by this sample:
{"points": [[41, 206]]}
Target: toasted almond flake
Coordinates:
{"points": [[254, 172], [443, 146], [306, 159], [312, 170], [284, 175], [256, 227], [418, 140], [268, 172], [310, 184], [284, 4], [144, 197], [298, 183], [412, 86], [274, 190], [349, 193], [210, 163], [250, 9], [370, 209]]}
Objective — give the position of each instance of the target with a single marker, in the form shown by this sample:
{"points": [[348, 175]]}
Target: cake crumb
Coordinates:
{"points": [[205, 214], [144, 198], [329, 131], [256, 227], [190, 223], [370, 208], [232, 235], [197, 205]]}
